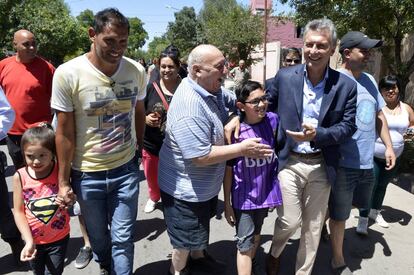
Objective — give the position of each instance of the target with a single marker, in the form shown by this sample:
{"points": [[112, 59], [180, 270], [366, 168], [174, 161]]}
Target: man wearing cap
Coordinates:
{"points": [[355, 176]]}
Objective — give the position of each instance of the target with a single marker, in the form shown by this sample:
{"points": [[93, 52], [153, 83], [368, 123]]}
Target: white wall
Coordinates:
{"points": [[272, 61]]}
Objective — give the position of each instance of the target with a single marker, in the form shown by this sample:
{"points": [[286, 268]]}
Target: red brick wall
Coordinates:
{"points": [[283, 31]]}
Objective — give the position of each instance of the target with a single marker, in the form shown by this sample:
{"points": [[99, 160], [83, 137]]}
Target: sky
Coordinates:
{"points": [[155, 14]]}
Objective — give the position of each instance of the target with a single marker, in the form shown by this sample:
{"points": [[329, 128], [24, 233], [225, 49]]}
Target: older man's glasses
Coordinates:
{"points": [[257, 100]]}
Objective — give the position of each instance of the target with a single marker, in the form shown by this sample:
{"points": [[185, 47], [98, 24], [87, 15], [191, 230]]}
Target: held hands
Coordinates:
{"points": [[66, 197], [28, 252], [308, 133], [229, 214], [153, 120], [389, 158], [252, 148]]}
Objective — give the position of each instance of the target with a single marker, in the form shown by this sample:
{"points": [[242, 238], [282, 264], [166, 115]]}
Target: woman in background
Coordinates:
{"points": [[400, 119], [159, 95]]}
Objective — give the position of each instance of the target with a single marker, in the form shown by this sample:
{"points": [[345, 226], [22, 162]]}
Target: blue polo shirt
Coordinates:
{"points": [[194, 123]]}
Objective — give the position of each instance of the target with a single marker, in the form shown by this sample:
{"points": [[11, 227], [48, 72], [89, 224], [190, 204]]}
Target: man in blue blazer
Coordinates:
{"points": [[317, 109]]}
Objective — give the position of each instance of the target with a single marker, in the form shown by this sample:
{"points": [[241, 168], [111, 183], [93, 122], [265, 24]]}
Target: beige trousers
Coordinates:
{"points": [[305, 192]]}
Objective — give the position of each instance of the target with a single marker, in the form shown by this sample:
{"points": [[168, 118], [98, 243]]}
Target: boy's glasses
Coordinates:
{"points": [[256, 101]]}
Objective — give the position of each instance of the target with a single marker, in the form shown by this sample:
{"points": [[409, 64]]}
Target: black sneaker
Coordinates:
{"points": [[84, 257], [207, 264]]}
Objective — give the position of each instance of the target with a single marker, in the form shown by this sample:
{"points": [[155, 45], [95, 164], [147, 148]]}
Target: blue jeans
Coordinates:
{"points": [[109, 202]]}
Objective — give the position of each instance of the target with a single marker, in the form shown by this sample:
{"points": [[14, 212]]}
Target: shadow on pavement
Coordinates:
{"points": [[150, 229], [356, 248], [224, 251], [159, 267], [392, 215], [7, 265]]}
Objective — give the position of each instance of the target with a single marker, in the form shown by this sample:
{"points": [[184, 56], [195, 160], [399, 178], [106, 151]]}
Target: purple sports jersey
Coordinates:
{"points": [[255, 184]]}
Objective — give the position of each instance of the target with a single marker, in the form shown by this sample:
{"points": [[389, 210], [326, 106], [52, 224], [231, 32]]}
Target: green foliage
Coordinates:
{"points": [[157, 45], [86, 18], [137, 34], [6, 34], [232, 28], [60, 36], [57, 33], [137, 54], [387, 19], [182, 33]]}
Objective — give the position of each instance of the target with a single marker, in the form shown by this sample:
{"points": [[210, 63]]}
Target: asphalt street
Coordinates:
{"points": [[382, 252]]}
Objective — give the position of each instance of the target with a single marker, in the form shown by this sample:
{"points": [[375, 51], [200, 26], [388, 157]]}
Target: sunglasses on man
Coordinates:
{"points": [[296, 61]]}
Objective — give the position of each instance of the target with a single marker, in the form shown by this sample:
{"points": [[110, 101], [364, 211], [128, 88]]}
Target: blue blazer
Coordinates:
{"points": [[336, 120]]}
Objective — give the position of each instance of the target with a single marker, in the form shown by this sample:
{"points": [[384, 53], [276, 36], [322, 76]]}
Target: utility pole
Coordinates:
{"points": [[265, 44]]}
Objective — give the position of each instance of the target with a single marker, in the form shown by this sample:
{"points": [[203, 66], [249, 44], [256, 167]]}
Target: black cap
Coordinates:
{"points": [[358, 40]]}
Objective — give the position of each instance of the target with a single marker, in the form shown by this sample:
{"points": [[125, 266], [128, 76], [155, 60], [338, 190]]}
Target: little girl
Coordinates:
{"points": [[43, 224], [252, 183]]}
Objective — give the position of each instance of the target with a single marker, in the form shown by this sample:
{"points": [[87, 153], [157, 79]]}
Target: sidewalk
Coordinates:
{"points": [[383, 252]]}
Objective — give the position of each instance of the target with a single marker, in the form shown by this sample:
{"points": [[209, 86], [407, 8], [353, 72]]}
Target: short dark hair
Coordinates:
{"points": [[172, 52], [388, 81], [243, 91], [109, 16], [43, 134], [291, 50]]}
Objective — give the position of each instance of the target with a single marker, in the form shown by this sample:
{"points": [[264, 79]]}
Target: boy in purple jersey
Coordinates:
{"points": [[252, 184]]}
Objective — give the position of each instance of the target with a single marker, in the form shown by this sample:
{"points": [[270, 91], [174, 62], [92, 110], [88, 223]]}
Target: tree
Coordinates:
{"points": [[232, 28], [157, 45], [387, 19], [57, 33], [6, 25], [183, 31], [137, 34], [86, 18]]}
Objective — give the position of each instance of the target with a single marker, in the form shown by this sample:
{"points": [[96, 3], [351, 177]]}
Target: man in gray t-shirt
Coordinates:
{"points": [[355, 176]]}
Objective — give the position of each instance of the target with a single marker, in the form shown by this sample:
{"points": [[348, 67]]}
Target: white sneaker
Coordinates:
{"points": [[76, 209], [380, 221], [362, 227], [373, 213], [150, 206]]}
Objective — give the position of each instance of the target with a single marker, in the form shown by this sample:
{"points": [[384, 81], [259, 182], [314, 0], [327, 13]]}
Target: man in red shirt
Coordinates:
{"points": [[27, 82]]}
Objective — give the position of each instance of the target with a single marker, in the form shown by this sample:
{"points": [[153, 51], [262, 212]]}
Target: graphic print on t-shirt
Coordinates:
{"points": [[113, 107], [43, 208]]}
